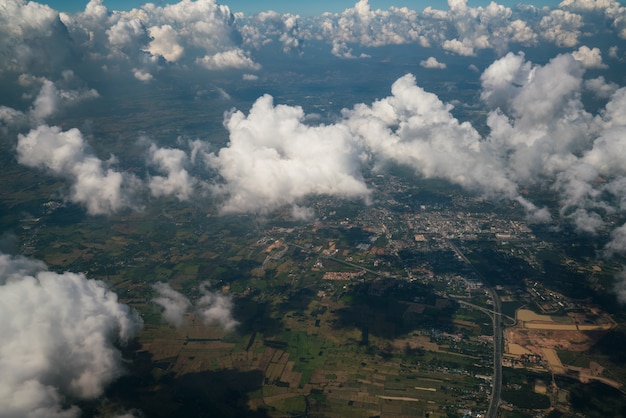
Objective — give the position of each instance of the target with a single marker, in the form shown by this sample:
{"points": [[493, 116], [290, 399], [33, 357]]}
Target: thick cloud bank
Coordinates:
{"points": [[203, 35], [58, 335], [211, 307]]}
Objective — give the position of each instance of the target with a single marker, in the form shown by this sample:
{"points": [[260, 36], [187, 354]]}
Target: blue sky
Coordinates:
{"points": [[284, 6]]}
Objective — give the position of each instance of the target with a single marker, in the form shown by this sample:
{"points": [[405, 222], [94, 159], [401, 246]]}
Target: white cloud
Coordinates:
{"points": [[178, 181], [215, 308], [32, 37], [189, 29], [302, 213], [541, 122], [547, 137], [234, 58], [413, 127], [503, 79], [271, 26], [180, 33], [540, 134], [464, 48], [468, 29], [142, 75], [58, 334], [620, 286], [432, 62], [165, 43], [250, 77], [600, 87], [211, 307], [588, 5], [613, 11], [617, 244], [52, 99], [10, 117], [521, 33], [127, 35], [274, 159], [561, 28], [360, 25], [175, 304], [590, 58], [46, 102], [102, 190]]}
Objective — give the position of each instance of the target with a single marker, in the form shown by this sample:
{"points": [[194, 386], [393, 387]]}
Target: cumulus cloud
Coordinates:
{"points": [[620, 286], [547, 137], [234, 58], [612, 10], [539, 123], [101, 189], [199, 31], [561, 28], [600, 87], [274, 159], [461, 29], [178, 181], [32, 37], [432, 62], [540, 134], [503, 79], [590, 57], [469, 29], [127, 36], [211, 307], [175, 304], [464, 48], [142, 75], [271, 26], [617, 244], [215, 308], [165, 43], [59, 332], [209, 35], [51, 99], [360, 25], [415, 128], [10, 118]]}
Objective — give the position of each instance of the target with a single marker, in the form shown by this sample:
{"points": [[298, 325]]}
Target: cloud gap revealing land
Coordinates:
{"points": [[378, 212]]}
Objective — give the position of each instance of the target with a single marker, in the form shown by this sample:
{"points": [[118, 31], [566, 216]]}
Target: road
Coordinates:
{"points": [[492, 412], [489, 312], [496, 317]]}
